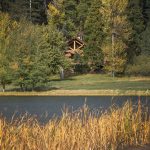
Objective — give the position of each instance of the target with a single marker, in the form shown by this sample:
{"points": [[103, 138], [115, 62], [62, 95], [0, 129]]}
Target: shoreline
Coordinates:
{"points": [[80, 93]]}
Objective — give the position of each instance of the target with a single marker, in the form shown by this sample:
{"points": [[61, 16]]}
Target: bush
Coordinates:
{"points": [[141, 66], [81, 68]]}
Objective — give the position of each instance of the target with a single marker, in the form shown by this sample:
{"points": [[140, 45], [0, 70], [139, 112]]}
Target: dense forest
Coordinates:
{"points": [[34, 35]]}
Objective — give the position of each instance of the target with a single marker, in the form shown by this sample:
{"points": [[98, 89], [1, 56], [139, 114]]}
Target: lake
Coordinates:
{"points": [[45, 107]]}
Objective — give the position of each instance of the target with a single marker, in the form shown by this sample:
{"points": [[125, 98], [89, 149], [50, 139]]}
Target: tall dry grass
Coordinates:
{"points": [[80, 130]]}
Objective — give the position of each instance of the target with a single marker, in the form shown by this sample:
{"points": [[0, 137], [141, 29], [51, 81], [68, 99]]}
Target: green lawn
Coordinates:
{"points": [[90, 84], [101, 82]]}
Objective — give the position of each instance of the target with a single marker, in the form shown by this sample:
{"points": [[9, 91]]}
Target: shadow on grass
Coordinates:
{"points": [[37, 89], [66, 79]]}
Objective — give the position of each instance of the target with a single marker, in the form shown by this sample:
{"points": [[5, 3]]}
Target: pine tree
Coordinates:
{"points": [[7, 27], [136, 19], [145, 41], [18, 10], [66, 17], [56, 14], [70, 24], [37, 11], [94, 35], [4, 5], [24, 46], [146, 10], [39, 54], [32, 10], [82, 12]]}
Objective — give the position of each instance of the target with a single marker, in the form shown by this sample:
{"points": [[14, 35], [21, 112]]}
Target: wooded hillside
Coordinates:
{"points": [[34, 36]]}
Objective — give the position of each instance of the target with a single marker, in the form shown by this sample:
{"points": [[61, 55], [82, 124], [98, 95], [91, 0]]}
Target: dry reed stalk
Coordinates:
{"points": [[80, 130]]}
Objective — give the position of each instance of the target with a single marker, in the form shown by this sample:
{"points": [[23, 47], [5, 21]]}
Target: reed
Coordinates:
{"points": [[83, 129]]}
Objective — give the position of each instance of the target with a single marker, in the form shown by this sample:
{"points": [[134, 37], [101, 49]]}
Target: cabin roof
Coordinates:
{"points": [[76, 39], [75, 46]]}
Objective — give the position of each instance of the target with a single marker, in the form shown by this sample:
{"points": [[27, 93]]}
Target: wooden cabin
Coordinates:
{"points": [[75, 46]]}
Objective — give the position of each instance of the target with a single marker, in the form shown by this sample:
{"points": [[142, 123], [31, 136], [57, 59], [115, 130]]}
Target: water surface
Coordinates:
{"points": [[46, 107]]}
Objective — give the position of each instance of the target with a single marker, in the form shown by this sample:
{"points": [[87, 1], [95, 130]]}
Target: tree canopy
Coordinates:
{"points": [[34, 36]]}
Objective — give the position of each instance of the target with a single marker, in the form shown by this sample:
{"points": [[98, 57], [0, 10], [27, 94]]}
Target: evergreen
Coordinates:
{"points": [[145, 41], [4, 5], [7, 26], [64, 13], [93, 35], [82, 13], [136, 19], [38, 55], [37, 11], [33, 10]]}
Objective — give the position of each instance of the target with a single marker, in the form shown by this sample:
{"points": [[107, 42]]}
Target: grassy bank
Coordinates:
{"points": [[80, 93], [90, 84], [102, 82], [117, 129]]}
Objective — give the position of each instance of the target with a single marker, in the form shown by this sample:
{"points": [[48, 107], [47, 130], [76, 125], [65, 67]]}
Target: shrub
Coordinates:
{"points": [[141, 66]]}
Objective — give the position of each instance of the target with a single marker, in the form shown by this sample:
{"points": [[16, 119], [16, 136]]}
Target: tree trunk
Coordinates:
{"points": [[22, 87], [113, 51], [3, 86], [61, 73], [30, 10], [33, 86]]}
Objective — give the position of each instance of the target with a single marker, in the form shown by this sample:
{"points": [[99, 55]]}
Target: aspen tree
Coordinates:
{"points": [[118, 31]]}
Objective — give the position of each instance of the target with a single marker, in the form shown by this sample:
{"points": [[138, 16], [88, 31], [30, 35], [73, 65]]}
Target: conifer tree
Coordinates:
{"points": [[7, 26], [37, 8], [136, 19], [94, 35], [38, 55], [82, 12], [145, 41], [32, 10], [64, 13], [4, 5]]}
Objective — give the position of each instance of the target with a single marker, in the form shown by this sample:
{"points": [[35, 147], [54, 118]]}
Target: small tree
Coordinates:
{"points": [[7, 27], [24, 54], [39, 54]]}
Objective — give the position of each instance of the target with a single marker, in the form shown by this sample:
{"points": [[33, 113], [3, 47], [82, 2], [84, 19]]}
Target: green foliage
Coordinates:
{"points": [[145, 41], [64, 14], [24, 54], [33, 10], [82, 12], [141, 66], [4, 5], [136, 19], [118, 31], [7, 26], [146, 10], [38, 11], [56, 14], [39, 54], [94, 36]]}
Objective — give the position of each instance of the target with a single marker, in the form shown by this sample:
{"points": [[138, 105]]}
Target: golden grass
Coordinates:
{"points": [[80, 93], [79, 130]]}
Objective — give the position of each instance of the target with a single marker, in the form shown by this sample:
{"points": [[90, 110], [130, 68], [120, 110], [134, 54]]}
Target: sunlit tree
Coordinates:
{"points": [[6, 53], [118, 31]]}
